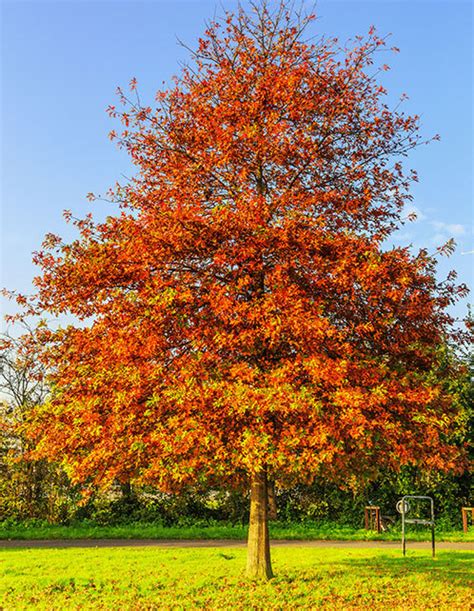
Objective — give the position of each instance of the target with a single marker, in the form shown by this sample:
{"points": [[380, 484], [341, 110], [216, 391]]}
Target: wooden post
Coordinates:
{"points": [[464, 511], [372, 518]]}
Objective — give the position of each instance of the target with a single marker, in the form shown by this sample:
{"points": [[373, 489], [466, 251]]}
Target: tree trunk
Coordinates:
{"points": [[272, 507], [258, 546], [127, 492]]}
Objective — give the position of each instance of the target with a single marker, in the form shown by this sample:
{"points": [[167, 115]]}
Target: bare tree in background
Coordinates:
{"points": [[28, 488]]}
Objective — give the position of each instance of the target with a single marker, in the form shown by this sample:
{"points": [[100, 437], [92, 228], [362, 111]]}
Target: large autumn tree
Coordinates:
{"points": [[240, 316]]}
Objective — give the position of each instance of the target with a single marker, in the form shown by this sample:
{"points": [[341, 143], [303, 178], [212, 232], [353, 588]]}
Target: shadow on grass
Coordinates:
{"points": [[453, 568]]}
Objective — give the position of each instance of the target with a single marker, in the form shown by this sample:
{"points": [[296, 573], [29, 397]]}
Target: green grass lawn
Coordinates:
{"points": [[307, 531], [213, 578]]}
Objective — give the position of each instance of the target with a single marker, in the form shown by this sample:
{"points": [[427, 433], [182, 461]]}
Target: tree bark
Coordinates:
{"points": [[258, 546], [127, 492], [272, 507]]}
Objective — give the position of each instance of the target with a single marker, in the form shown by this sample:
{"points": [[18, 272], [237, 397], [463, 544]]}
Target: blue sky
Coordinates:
{"points": [[62, 61]]}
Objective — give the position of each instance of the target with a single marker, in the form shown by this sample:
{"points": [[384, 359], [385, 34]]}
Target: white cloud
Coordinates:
{"points": [[449, 229], [402, 236], [438, 239], [411, 209]]}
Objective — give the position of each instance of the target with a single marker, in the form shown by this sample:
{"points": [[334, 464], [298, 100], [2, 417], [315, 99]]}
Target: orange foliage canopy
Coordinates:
{"points": [[241, 309]]}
